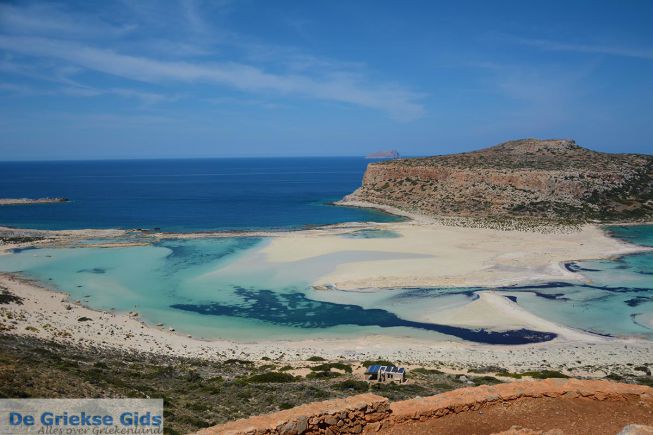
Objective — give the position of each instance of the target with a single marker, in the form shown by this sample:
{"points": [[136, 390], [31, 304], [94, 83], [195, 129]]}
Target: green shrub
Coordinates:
{"points": [[486, 380], [6, 297], [267, 367], [315, 358], [423, 371], [489, 369], [323, 374], [379, 362], [328, 366], [399, 392], [542, 374], [444, 387], [615, 377], [512, 375], [545, 374], [350, 384], [645, 381], [270, 377]]}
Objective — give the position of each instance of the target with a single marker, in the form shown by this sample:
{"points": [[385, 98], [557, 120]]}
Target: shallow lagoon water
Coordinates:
{"points": [[224, 288], [372, 234], [617, 300]]}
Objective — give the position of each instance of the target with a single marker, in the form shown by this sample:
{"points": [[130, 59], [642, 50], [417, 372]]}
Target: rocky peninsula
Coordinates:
{"points": [[549, 180]]}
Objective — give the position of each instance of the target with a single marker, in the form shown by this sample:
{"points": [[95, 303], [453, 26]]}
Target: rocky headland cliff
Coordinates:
{"points": [[554, 180]]}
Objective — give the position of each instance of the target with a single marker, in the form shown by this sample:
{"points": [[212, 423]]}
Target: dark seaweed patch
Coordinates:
{"points": [[418, 292], [97, 270], [561, 284], [552, 296], [574, 267], [294, 309], [638, 300], [19, 250], [184, 253]]}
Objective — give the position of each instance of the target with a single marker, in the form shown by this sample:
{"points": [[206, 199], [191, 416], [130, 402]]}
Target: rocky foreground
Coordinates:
{"points": [[554, 180], [553, 407]]}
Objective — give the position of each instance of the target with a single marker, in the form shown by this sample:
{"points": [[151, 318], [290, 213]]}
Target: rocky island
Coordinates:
{"points": [[29, 201], [554, 180], [388, 154]]}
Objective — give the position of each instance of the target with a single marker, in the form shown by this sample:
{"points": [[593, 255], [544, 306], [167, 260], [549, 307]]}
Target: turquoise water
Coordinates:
{"points": [[618, 300], [224, 288], [638, 234], [372, 234]]}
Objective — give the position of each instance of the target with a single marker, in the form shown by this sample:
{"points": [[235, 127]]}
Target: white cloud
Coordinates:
{"points": [[394, 100], [612, 50], [47, 19]]}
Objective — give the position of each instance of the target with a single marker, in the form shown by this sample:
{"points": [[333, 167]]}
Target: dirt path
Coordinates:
{"points": [[579, 416]]}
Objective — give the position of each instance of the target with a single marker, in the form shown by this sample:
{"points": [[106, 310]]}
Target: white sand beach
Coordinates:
{"points": [[448, 256], [50, 315]]}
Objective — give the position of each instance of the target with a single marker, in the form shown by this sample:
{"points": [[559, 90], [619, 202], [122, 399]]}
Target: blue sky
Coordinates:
{"points": [[192, 78]]}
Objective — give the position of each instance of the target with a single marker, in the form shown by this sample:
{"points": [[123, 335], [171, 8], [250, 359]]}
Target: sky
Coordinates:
{"points": [[193, 78]]}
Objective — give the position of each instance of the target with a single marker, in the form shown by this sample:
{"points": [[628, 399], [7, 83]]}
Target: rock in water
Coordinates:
{"points": [[389, 154]]}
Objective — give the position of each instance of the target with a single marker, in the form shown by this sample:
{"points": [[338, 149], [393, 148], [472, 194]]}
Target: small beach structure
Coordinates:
{"points": [[381, 373]]}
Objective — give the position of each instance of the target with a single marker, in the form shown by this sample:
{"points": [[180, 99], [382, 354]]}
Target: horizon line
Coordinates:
{"points": [[120, 159]]}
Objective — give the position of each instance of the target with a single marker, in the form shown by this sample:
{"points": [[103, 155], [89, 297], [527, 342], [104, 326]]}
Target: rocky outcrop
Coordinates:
{"points": [[389, 154], [369, 413], [550, 179]]}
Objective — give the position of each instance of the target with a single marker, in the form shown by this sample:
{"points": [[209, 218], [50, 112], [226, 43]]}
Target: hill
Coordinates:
{"points": [[554, 180]]}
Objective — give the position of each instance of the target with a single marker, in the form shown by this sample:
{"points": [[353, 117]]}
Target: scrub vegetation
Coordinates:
{"points": [[199, 393]]}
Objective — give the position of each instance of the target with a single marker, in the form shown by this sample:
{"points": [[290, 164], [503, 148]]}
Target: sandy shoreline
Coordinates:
{"points": [[437, 255], [447, 256], [425, 253], [50, 315]]}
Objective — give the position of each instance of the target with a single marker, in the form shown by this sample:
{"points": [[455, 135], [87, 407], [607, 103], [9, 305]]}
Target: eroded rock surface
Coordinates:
{"points": [[551, 179]]}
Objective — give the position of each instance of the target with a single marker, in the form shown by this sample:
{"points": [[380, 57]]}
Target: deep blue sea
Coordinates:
{"points": [[185, 195]]}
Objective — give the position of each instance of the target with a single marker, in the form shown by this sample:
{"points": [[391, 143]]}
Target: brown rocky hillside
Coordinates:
{"points": [[545, 179]]}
